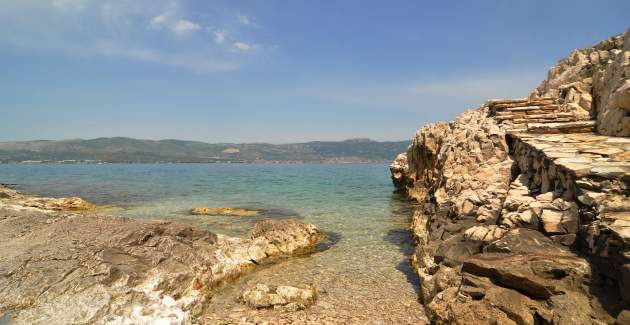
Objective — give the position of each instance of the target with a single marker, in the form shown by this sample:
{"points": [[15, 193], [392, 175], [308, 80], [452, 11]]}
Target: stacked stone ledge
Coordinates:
{"points": [[523, 214]]}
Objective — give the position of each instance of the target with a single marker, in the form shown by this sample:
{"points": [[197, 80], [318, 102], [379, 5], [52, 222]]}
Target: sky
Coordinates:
{"points": [[275, 71]]}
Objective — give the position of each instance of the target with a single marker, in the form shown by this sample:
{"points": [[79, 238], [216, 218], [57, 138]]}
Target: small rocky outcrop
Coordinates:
{"points": [[285, 298], [523, 213], [236, 212], [65, 268], [46, 203], [399, 169]]}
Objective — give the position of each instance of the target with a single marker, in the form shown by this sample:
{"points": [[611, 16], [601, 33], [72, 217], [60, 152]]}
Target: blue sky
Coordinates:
{"points": [[275, 71]]}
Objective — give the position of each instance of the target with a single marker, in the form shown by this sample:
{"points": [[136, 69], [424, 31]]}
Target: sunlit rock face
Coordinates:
{"points": [[593, 83], [67, 268], [524, 214], [46, 203]]}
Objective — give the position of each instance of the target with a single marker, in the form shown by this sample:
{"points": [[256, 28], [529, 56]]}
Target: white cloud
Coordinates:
{"points": [[158, 22], [243, 19], [219, 36], [194, 62], [69, 5], [121, 30], [180, 26], [242, 46], [183, 26]]}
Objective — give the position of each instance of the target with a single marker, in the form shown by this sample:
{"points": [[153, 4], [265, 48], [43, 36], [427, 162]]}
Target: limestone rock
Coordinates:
{"points": [[593, 82], [485, 234], [506, 189], [60, 268], [45, 203], [399, 169], [282, 297]]}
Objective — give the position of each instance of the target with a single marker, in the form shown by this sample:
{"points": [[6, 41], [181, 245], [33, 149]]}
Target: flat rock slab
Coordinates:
{"points": [[538, 276], [584, 153]]}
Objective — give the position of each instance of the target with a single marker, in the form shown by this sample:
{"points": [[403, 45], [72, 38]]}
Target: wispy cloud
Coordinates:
{"points": [[243, 19], [219, 36], [70, 5], [185, 26], [242, 46], [155, 31], [178, 26], [158, 22]]}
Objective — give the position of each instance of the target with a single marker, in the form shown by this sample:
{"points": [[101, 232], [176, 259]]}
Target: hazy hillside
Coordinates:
{"points": [[133, 150]]}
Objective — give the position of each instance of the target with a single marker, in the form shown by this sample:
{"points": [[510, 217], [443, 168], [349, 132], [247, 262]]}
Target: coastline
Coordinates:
{"points": [[251, 162], [118, 270]]}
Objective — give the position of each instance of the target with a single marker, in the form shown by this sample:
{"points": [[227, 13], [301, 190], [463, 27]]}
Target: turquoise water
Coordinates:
{"points": [[366, 222]]}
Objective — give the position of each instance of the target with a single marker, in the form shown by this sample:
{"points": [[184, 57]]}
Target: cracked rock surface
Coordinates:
{"points": [[523, 213], [58, 267]]}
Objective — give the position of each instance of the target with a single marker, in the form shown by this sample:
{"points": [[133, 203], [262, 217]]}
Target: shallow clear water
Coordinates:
{"points": [[364, 272]]}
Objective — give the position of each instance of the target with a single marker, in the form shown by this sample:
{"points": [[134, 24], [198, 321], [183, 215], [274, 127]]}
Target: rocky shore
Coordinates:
{"points": [[63, 263], [523, 208]]}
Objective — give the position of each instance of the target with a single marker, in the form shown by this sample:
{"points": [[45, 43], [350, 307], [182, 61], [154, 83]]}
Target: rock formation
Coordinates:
{"points": [[46, 203], [523, 213], [286, 298], [59, 267]]}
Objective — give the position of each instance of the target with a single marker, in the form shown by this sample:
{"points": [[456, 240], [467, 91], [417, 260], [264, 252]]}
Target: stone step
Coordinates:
{"points": [[533, 107], [562, 127], [543, 120], [542, 116], [491, 102], [504, 106], [539, 111]]}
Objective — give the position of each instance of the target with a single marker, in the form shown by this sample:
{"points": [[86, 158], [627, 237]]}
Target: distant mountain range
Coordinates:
{"points": [[119, 149]]}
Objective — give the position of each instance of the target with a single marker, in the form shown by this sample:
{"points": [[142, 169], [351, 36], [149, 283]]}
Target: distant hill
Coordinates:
{"points": [[121, 149]]}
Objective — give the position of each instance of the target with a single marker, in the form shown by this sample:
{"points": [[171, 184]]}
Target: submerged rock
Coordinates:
{"points": [[286, 298], [60, 268], [237, 212]]}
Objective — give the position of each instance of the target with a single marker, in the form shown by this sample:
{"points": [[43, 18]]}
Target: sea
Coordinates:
{"points": [[362, 268]]}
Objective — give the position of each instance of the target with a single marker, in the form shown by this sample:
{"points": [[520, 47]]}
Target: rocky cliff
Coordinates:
{"points": [[63, 264], [523, 215]]}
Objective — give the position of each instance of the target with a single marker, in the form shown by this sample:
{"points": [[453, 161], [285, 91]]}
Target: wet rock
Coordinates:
{"points": [[286, 298], [237, 212]]}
